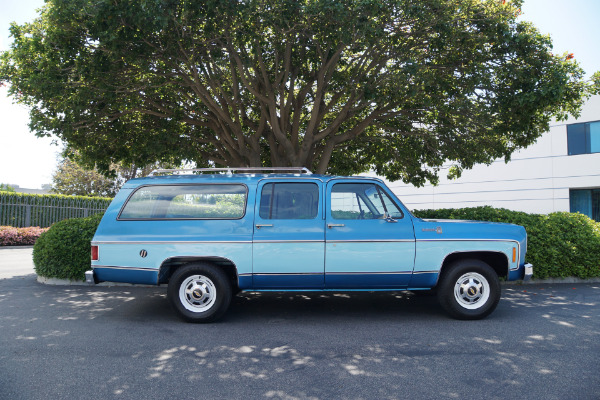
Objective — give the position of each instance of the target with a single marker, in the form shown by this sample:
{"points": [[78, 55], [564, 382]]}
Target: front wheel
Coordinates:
{"points": [[469, 289], [199, 292]]}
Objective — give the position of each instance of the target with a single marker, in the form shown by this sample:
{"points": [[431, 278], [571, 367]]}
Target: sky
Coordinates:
{"points": [[29, 161]]}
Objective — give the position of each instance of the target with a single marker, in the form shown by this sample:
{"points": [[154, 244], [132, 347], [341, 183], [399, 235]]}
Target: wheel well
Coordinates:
{"points": [[169, 266], [497, 260]]}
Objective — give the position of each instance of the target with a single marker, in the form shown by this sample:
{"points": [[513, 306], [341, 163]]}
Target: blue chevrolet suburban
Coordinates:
{"points": [[210, 233]]}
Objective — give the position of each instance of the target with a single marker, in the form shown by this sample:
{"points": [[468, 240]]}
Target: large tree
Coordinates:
{"points": [[73, 178], [339, 86]]}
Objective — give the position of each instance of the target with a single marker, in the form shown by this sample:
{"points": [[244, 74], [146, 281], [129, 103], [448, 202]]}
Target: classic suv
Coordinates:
{"points": [[210, 233]]}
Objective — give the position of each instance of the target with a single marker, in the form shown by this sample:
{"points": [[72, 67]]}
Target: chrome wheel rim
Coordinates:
{"points": [[472, 291], [197, 293]]}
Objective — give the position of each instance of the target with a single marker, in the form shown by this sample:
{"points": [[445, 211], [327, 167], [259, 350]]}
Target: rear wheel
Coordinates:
{"points": [[469, 289], [199, 292]]}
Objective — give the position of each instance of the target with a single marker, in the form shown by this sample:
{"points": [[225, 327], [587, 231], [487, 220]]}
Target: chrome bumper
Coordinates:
{"points": [[89, 277], [528, 272]]}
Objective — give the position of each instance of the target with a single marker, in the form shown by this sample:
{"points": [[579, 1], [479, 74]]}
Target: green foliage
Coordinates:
{"points": [[338, 86], [559, 244], [45, 209], [71, 178], [5, 187], [63, 251]]}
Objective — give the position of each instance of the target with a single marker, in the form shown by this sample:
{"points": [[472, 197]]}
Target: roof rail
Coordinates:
{"points": [[229, 171]]}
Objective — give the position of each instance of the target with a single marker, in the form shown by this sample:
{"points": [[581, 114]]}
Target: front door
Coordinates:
{"points": [[370, 241], [289, 235]]}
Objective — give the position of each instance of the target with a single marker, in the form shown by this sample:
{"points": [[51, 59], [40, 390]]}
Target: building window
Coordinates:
{"points": [[586, 201], [583, 138]]}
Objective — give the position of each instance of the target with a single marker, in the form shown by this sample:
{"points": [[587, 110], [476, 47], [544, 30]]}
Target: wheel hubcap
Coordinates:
{"points": [[472, 290], [197, 293]]}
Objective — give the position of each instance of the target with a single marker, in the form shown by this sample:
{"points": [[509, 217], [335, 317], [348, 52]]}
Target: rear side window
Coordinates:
{"points": [[186, 202], [289, 201]]}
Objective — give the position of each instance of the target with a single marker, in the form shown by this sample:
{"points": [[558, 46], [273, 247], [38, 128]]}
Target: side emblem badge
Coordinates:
{"points": [[143, 253], [437, 230]]}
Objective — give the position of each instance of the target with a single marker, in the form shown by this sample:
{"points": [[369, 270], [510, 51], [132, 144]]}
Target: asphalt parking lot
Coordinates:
{"points": [[70, 342]]}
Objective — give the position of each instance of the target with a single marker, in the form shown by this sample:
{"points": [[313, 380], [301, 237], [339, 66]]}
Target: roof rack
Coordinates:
{"points": [[229, 171]]}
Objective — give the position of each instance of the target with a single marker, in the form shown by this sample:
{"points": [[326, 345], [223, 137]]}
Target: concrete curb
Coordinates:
{"points": [[551, 281]]}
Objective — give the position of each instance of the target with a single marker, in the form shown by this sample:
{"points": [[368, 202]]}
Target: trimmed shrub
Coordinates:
{"points": [[11, 236], [63, 251], [559, 245]]}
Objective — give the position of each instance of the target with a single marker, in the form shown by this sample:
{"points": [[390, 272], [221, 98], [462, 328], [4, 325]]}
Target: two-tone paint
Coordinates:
{"points": [[309, 254]]}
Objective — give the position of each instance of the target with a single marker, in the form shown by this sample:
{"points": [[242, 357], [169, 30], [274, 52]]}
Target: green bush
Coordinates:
{"points": [[559, 245], [63, 251]]}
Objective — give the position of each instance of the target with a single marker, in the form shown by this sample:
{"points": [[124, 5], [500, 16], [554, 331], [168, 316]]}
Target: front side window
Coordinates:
{"points": [[186, 202], [583, 138], [362, 201], [289, 201]]}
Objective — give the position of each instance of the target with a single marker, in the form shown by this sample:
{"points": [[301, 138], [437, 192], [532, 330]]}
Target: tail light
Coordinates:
{"points": [[94, 253]]}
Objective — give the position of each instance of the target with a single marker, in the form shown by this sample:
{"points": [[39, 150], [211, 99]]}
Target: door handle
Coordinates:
{"points": [[335, 225], [258, 226]]}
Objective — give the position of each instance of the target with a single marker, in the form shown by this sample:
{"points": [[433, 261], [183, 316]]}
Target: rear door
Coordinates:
{"points": [[370, 242], [289, 235]]}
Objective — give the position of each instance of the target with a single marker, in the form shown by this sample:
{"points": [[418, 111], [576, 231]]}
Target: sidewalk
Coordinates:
{"points": [[16, 261]]}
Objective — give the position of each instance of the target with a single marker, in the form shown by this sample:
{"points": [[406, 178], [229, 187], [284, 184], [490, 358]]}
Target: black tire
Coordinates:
{"points": [[199, 292], [469, 289]]}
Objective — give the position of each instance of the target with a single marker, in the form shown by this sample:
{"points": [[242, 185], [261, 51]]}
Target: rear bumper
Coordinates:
{"points": [[90, 277]]}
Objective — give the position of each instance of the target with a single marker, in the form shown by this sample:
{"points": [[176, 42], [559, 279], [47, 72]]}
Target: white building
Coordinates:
{"points": [[560, 172]]}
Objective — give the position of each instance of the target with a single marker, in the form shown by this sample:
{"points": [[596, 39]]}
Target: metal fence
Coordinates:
{"points": [[22, 209]]}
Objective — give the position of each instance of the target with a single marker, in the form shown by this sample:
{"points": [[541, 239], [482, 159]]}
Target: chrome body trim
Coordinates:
{"points": [[372, 241], [285, 273], [124, 268], [289, 241], [467, 240], [173, 242], [370, 273], [481, 251]]}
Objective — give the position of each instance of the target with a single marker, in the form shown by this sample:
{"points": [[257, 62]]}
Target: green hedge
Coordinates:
{"points": [[559, 245], [63, 251], [25, 209]]}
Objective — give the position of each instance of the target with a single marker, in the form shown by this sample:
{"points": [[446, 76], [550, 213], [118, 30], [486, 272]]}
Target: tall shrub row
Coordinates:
{"points": [[25, 209], [560, 244]]}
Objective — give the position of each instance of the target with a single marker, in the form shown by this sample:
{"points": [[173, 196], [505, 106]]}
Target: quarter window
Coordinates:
{"points": [[289, 201], [362, 201], [186, 202]]}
